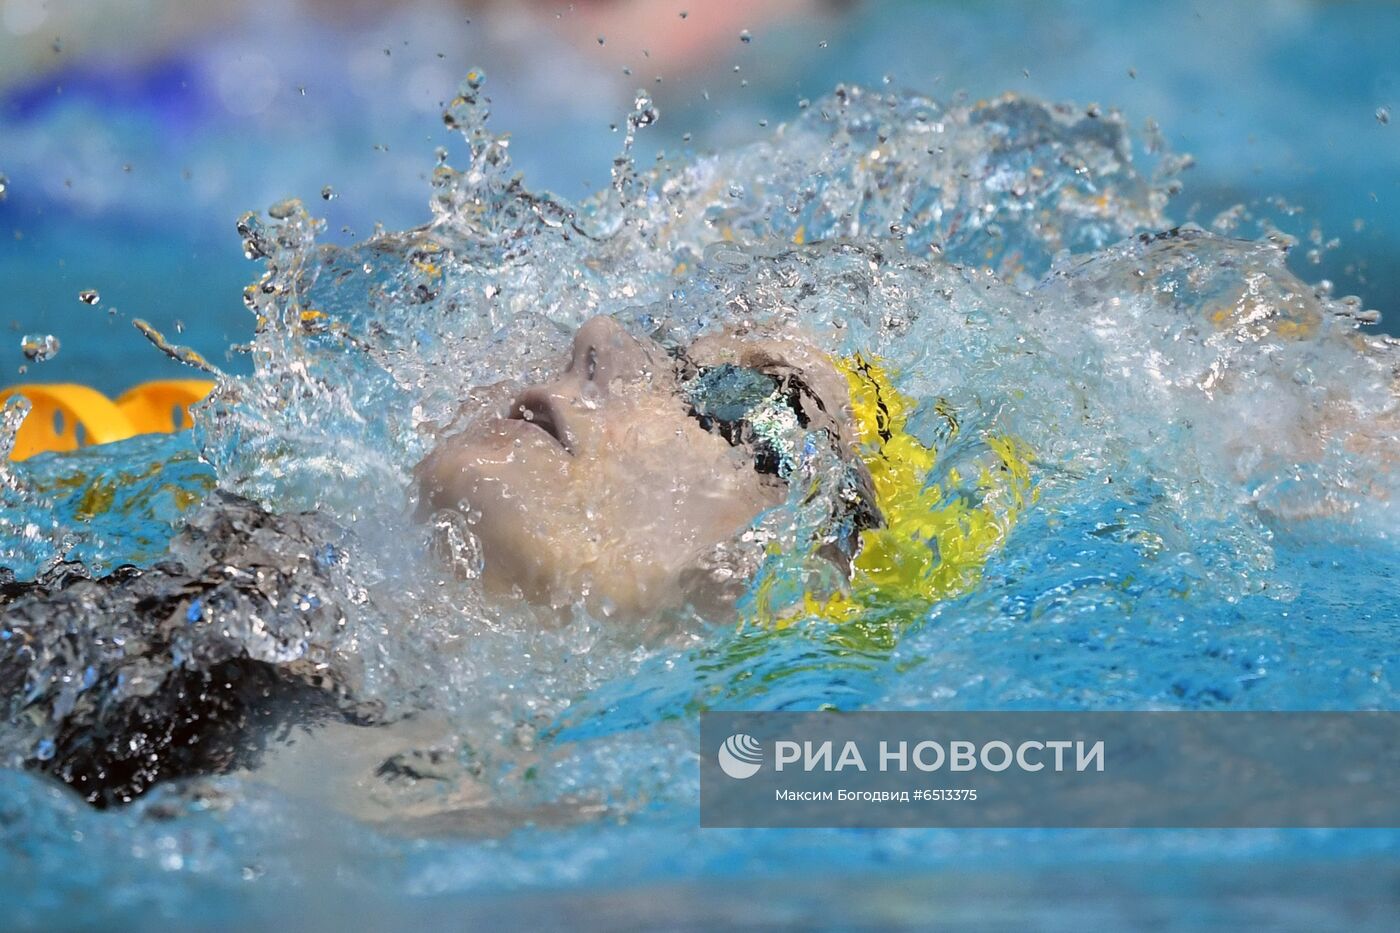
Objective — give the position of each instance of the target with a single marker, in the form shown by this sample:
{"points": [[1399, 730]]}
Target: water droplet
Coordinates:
{"points": [[39, 347], [644, 112], [284, 209], [601, 40], [89, 296], [180, 354], [1382, 115], [745, 37], [684, 14], [4, 185], [328, 193], [822, 44], [1132, 73]]}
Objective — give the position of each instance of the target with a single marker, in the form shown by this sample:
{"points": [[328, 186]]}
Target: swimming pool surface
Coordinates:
{"points": [[1209, 522]]}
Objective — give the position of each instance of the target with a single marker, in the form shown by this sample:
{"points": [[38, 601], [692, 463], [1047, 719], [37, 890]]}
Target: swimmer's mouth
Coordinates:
{"points": [[540, 411]]}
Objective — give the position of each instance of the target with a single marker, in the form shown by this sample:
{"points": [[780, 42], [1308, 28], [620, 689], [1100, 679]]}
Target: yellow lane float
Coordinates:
{"points": [[66, 416]]}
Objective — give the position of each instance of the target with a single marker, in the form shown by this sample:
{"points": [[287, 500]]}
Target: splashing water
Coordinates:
{"points": [[174, 351], [1207, 520]]}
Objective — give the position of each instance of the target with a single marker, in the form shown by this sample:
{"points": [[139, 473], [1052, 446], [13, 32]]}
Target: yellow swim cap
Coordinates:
{"points": [[932, 546]]}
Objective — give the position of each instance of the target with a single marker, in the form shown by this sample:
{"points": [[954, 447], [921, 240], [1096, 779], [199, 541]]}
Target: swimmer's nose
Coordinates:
{"points": [[604, 353], [543, 408]]}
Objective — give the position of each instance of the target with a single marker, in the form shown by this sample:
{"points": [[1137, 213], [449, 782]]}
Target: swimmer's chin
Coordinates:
{"points": [[707, 590]]}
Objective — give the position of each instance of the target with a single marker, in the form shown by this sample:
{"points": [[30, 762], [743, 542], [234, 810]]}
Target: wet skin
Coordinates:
{"points": [[601, 486]]}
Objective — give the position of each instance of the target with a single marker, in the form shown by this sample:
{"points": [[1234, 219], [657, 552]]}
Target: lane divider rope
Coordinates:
{"points": [[65, 415]]}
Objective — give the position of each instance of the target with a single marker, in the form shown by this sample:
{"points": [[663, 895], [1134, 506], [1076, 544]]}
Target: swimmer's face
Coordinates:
{"points": [[600, 484]]}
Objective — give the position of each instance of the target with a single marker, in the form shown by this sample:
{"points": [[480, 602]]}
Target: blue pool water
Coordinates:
{"points": [[1213, 523], [128, 168]]}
